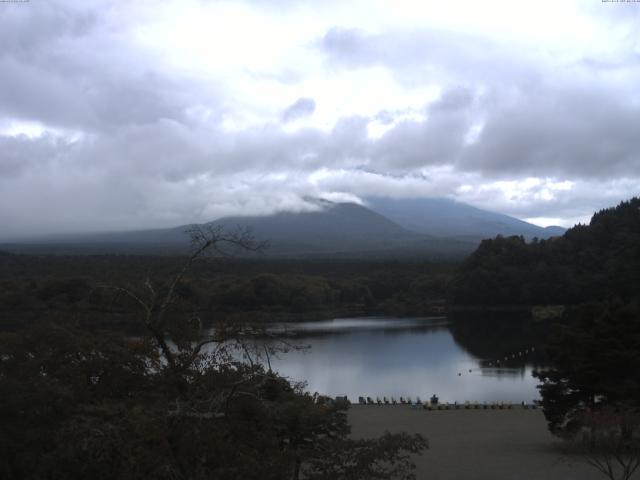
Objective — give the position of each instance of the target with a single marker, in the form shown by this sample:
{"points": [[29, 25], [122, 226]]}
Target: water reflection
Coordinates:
{"points": [[400, 357], [351, 325]]}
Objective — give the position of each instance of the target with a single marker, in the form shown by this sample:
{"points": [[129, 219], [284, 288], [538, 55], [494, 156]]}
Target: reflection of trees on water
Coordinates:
{"points": [[501, 341], [389, 330], [394, 356]]}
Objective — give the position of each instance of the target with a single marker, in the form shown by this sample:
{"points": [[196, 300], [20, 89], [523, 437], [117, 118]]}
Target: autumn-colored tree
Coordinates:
{"points": [[591, 394], [179, 402]]}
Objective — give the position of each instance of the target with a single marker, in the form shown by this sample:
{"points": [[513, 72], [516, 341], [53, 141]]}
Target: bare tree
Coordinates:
{"points": [[608, 441], [181, 339], [156, 302], [195, 412]]}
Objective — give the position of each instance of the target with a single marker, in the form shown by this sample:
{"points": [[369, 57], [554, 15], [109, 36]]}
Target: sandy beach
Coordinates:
{"points": [[476, 444]]}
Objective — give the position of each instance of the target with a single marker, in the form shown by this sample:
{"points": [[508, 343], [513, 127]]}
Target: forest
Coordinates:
{"points": [[35, 286], [79, 400], [103, 372], [590, 385], [598, 261]]}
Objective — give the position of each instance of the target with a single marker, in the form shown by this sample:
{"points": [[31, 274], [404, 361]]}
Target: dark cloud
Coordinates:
{"points": [[557, 131], [568, 205], [413, 144], [20, 153], [70, 65], [89, 99], [535, 121], [303, 107], [29, 29], [128, 142]]}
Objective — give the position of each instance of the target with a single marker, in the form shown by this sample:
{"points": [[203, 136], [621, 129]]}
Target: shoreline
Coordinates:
{"points": [[468, 444]]}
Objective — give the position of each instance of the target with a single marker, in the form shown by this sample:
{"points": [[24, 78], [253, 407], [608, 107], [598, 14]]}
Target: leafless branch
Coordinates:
{"points": [[266, 352]]}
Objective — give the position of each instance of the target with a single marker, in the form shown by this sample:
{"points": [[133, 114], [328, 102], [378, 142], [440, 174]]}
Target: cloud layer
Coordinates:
{"points": [[117, 115]]}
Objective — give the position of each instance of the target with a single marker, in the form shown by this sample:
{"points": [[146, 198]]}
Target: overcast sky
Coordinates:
{"points": [[119, 115]]}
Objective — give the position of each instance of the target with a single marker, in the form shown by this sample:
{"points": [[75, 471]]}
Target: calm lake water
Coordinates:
{"points": [[385, 356]]}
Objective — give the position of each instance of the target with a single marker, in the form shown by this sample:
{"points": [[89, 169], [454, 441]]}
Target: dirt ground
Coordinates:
{"points": [[476, 444]]}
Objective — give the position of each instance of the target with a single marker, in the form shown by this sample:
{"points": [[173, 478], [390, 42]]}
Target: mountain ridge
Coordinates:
{"points": [[342, 229], [443, 217]]}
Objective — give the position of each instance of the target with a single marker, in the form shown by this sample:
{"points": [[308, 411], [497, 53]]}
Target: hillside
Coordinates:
{"points": [[428, 228], [591, 262], [443, 217], [334, 229]]}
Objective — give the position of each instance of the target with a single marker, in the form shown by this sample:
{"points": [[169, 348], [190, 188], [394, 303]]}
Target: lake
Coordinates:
{"points": [[385, 356]]}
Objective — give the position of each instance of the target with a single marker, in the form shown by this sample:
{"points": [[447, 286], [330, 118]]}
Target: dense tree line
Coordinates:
{"points": [[77, 404], [31, 287], [589, 262], [176, 402], [591, 386], [595, 358]]}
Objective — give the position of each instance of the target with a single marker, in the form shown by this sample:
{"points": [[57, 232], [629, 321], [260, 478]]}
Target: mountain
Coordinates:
{"points": [[443, 217], [333, 229], [433, 228]]}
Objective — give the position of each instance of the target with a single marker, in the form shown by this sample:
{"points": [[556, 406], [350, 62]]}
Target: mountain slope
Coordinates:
{"points": [[335, 227], [342, 229], [447, 218], [434, 228]]}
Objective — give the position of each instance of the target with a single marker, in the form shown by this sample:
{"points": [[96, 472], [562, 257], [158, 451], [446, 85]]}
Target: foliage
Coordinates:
{"points": [[173, 403], [595, 355], [609, 441], [599, 261], [591, 396], [53, 376], [36, 287]]}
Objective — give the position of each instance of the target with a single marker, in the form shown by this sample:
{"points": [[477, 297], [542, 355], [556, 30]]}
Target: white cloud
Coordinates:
{"points": [[123, 115]]}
